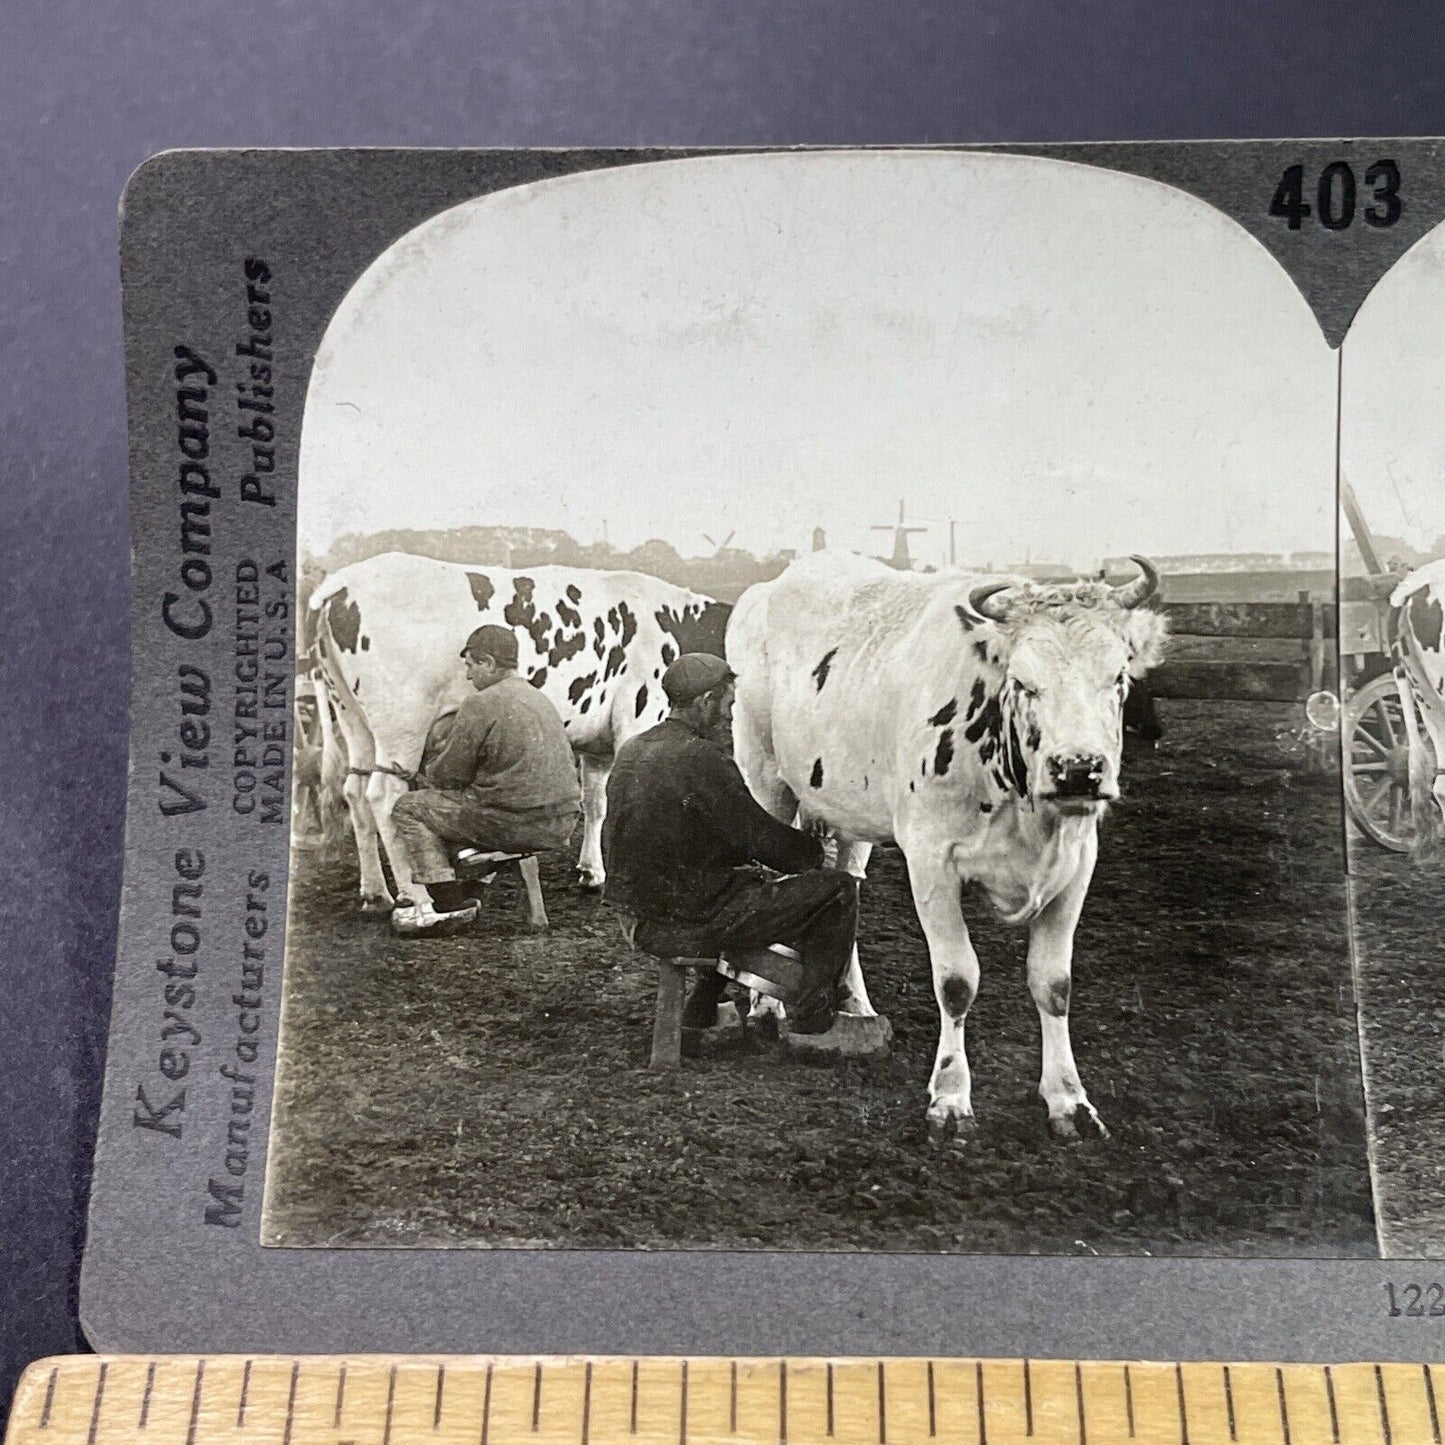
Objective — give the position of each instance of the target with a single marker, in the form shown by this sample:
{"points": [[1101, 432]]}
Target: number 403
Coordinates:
{"points": [[1335, 196]]}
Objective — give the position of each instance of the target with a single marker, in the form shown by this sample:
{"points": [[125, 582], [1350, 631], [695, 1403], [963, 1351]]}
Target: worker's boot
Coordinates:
{"points": [[812, 1013], [813, 1006], [415, 919]]}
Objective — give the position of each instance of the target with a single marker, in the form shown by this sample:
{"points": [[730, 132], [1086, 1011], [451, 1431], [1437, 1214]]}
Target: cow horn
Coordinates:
{"points": [[981, 606], [1143, 587]]}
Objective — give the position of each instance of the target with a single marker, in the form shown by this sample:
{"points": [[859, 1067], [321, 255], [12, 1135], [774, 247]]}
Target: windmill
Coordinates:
{"points": [[718, 548], [900, 558]]}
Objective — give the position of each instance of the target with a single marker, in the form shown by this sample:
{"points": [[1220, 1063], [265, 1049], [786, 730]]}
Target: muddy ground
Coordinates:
{"points": [[1399, 909], [493, 1089]]}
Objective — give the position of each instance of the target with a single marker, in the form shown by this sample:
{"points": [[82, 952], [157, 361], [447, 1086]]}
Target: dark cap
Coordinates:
{"points": [[692, 675], [498, 643]]}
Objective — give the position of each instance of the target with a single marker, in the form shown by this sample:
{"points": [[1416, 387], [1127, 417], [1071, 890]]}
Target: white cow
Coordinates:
{"points": [[388, 634], [975, 723], [1417, 633]]}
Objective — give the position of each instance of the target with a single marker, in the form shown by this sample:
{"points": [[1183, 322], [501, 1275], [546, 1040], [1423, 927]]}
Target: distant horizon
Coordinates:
{"points": [[1310, 559], [920, 554]]}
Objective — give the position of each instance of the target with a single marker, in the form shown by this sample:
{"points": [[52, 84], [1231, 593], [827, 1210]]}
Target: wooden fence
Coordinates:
{"points": [[1224, 628]]}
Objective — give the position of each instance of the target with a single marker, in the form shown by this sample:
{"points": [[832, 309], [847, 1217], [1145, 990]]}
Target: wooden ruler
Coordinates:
{"points": [[371, 1400]]}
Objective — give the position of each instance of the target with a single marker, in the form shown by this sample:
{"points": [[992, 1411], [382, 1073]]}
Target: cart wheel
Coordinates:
{"points": [[1377, 765]]}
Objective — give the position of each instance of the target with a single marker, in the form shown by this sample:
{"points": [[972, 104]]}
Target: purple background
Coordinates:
{"points": [[87, 92]]}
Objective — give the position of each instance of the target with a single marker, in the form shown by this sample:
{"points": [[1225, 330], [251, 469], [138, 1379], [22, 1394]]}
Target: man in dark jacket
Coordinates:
{"points": [[701, 866]]}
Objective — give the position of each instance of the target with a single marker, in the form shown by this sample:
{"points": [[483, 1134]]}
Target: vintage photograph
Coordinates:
{"points": [[1392, 586], [813, 731]]}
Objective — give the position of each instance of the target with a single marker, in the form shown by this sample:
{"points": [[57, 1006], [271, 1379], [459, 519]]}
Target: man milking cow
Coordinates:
{"points": [[502, 781], [698, 867]]}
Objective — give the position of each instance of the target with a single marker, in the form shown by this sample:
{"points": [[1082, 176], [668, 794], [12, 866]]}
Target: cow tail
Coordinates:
{"points": [[321, 650], [322, 645], [328, 664]]}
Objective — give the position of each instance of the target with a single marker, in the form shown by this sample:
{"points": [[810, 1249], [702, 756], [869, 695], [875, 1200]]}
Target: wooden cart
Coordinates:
{"points": [[1374, 744]]}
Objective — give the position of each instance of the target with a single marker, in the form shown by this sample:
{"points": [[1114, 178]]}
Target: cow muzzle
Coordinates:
{"points": [[1079, 782]]}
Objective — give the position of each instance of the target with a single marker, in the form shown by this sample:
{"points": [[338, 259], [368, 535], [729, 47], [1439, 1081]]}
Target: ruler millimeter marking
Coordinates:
{"points": [[605, 1400]]}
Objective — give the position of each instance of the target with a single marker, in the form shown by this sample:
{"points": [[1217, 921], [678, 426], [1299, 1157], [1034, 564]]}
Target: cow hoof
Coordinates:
{"points": [[947, 1124], [588, 882], [376, 905], [1083, 1123]]}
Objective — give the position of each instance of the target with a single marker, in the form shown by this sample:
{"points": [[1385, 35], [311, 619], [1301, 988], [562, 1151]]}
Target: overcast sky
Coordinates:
{"points": [[1070, 362], [1392, 422]]}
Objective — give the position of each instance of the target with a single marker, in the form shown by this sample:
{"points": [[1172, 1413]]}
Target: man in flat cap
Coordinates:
{"points": [[503, 781], [701, 866]]}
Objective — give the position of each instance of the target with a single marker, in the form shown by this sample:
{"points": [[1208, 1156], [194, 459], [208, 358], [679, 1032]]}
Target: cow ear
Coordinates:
{"points": [[1147, 634]]}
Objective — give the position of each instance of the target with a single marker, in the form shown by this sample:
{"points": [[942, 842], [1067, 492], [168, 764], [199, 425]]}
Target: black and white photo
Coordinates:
{"points": [[1392, 580], [807, 665]]}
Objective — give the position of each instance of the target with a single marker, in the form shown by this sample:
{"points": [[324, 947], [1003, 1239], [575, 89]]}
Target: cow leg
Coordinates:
{"points": [[595, 771], [332, 793], [382, 791], [853, 858], [375, 895], [1418, 784], [306, 825], [1427, 789], [1437, 786], [955, 985], [773, 794], [1050, 970]]}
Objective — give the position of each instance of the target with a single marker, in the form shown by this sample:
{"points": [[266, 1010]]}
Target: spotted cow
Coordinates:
{"points": [[976, 724], [389, 632], [1417, 640]]}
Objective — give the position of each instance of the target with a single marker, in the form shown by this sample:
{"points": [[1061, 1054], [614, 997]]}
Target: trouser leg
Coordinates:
{"points": [[425, 822], [448, 897], [826, 949]]}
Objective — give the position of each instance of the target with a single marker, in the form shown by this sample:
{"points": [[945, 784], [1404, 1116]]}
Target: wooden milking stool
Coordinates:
{"points": [[473, 864], [773, 971], [667, 1020]]}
